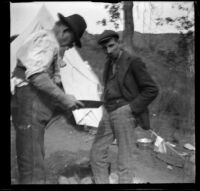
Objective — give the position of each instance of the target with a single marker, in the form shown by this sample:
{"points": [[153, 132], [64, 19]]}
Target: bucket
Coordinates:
{"points": [[144, 143]]}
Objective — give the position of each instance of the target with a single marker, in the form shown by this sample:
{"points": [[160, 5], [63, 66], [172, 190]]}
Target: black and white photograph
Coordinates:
{"points": [[102, 92]]}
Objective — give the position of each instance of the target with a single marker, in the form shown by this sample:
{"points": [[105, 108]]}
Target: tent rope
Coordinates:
{"points": [[85, 116]]}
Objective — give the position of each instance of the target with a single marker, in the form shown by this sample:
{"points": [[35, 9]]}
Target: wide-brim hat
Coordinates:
{"points": [[77, 24], [106, 35]]}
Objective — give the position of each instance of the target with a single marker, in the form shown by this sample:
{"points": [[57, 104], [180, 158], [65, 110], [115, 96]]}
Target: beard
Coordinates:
{"points": [[113, 56]]}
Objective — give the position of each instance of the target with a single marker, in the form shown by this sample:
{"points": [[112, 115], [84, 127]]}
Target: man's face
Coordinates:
{"points": [[111, 48], [65, 37]]}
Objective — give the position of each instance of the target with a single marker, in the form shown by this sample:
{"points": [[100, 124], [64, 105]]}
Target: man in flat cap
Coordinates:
{"points": [[37, 95], [128, 90]]}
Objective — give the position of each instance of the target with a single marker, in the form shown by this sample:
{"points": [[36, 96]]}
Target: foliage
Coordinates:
{"points": [[103, 22], [182, 23], [177, 59], [181, 60], [114, 11]]}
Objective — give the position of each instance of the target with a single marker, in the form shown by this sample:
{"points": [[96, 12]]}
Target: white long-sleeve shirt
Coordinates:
{"points": [[37, 54]]}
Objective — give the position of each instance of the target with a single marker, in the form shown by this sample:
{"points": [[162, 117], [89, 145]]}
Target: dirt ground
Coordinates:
{"points": [[64, 145]]}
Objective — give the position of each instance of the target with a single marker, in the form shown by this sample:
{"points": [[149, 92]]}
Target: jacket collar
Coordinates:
{"points": [[123, 62]]}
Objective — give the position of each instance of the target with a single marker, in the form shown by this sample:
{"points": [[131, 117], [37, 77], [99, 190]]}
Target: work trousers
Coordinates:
{"points": [[30, 117], [119, 124]]}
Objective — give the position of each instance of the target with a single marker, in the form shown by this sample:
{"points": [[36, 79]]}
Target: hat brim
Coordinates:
{"points": [[64, 21]]}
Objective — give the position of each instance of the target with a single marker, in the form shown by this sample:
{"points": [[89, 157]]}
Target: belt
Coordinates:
{"points": [[114, 104]]}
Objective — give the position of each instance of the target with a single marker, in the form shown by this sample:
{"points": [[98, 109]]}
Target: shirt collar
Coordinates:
{"points": [[119, 55]]}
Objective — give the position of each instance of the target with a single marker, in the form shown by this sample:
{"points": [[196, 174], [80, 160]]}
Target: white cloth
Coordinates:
{"points": [[159, 145], [16, 82]]}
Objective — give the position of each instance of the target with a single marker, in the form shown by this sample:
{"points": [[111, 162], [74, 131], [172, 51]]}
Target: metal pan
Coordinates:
{"points": [[144, 143]]}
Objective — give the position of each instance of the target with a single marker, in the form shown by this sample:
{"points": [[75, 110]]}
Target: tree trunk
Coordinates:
{"points": [[128, 26]]}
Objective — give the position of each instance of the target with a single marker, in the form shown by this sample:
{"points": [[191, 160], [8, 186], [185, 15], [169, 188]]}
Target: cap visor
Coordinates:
{"points": [[106, 39]]}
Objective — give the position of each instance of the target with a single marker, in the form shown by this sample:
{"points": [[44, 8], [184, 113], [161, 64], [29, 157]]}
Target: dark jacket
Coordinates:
{"points": [[137, 86]]}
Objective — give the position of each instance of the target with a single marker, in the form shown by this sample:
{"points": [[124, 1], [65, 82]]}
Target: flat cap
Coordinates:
{"points": [[106, 35]]}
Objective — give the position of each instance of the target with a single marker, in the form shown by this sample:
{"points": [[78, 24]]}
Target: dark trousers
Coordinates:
{"points": [[30, 154], [117, 124], [29, 119]]}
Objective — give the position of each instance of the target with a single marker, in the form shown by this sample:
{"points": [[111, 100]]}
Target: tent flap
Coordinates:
{"points": [[78, 79]]}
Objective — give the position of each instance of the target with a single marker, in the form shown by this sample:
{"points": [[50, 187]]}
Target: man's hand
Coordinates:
{"points": [[43, 83], [126, 108], [74, 103], [57, 79]]}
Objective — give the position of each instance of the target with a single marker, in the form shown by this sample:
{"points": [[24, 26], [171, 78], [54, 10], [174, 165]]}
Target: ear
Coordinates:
{"points": [[120, 41]]}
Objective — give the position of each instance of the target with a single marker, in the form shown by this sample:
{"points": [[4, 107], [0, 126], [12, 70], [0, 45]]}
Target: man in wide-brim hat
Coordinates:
{"points": [[76, 24], [36, 93]]}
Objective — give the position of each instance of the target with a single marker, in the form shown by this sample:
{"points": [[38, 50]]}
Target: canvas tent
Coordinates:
{"points": [[77, 76]]}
